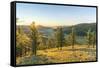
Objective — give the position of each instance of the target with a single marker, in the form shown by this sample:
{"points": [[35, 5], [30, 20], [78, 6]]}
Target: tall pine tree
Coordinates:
{"points": [[34, 38], [88, 37], [93, 39], [72, 38], [59, 37]]}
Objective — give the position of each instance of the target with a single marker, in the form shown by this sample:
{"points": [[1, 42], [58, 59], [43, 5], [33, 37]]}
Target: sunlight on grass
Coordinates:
{"points": [[59, 56]]}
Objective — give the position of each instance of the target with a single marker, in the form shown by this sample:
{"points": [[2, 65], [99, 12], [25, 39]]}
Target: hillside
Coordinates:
{"points": [[80, 29]]}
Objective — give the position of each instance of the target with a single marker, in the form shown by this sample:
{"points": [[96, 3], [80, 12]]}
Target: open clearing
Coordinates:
{"points": [[67, 54]]}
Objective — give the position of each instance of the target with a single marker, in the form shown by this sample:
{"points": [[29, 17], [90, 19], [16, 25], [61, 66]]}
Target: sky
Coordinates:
{"points": [[54, 15]]}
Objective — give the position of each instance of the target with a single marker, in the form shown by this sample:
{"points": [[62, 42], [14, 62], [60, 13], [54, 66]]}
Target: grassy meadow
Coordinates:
{"points": [[54, 55]]}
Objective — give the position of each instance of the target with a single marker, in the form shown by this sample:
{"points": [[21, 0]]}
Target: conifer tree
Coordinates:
{"points": [[71, 38], [34, 38], [88, 37], [22, 41], [19, 44], [59, 38], [93, 39]]}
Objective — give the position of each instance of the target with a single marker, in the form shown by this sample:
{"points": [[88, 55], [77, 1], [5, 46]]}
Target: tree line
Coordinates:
{"points": [[36, 40]]}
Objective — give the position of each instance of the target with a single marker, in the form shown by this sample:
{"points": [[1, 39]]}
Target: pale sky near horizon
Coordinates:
{"points": [[54, 15]]}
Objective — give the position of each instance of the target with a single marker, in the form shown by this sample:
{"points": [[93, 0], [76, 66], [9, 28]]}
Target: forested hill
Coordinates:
{"points": [[80, 29]]}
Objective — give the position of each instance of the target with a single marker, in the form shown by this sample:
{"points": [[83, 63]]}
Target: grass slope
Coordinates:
{"points": [[67, 54]]}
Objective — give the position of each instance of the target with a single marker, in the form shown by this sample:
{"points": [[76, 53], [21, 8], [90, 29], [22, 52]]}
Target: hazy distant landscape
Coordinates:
{"points": [[80, 29]]}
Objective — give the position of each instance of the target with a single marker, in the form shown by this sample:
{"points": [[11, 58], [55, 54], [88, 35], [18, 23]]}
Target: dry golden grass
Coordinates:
{"points": [[67, 54]]}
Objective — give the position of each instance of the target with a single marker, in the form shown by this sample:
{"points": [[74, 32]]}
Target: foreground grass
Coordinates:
{"points": [[67, 54]]}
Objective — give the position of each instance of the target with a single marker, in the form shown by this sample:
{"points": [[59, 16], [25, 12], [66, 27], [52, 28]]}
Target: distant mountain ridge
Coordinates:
{"points": [[80, 29]]}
